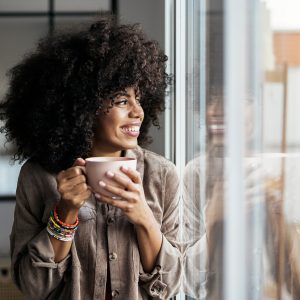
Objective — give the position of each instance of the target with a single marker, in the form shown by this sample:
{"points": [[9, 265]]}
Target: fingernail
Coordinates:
{"points": [[124, 168], [110, 174], [97, 196], [102, 183]]}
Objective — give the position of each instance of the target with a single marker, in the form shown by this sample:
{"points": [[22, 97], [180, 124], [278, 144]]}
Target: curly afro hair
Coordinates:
{"points": [[54, 94]]}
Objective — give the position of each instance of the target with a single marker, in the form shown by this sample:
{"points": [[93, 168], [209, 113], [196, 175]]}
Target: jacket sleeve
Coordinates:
{"points": [[33, 267], [164, 281]]}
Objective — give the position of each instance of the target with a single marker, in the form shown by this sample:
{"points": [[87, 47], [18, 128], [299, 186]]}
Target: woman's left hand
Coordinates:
{"points": [[131, 192]]}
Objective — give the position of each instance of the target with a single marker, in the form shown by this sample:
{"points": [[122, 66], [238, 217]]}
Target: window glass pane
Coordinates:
{"points": [[68, 23], [23, 6], [81, 6], [6, 220], [18, 36], [281, 92], [203, 181], [241, 212], [280, 120]]}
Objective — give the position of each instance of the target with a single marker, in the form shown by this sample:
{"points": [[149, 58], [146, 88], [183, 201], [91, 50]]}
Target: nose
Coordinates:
{"points": [[136, 111], [216, 108]]}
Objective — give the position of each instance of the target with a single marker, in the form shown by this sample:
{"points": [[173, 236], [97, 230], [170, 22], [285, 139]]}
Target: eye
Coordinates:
{"points": [[121, 102], [138, 100]]}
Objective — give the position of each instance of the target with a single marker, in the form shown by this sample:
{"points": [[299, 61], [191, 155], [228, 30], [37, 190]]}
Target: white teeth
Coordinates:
{"points": [[132, 129], [217, 127]]}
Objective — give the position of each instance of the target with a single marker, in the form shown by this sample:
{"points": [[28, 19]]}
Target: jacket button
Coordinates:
{"points": [[112, 256], [110, 220], [114, 293]]}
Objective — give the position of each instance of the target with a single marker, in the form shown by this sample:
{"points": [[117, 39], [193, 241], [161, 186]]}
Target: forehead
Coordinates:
{"points": [[128, 91]]}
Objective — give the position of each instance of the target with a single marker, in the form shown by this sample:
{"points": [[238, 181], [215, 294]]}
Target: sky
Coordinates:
{"points": [[285, 14]]}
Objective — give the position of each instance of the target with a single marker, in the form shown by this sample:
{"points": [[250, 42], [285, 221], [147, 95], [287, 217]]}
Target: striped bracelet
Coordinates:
{"points": [[60, 230]]}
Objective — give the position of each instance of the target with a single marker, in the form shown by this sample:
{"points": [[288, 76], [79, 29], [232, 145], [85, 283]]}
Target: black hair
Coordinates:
{"points": [[54, 93]]}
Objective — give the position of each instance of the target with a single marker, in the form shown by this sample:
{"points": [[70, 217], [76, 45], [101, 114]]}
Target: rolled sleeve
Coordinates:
{"points": [[32, 257], [196, 272], [34, 270], [164, 281], [42, 255]]}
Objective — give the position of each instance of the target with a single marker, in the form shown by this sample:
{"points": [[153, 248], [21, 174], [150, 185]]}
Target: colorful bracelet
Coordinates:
{"points": [[60, 230], [62, 223], [59, 236]]}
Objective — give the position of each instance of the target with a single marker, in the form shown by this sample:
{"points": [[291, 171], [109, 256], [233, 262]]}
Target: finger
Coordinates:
{"points": [[79, 162], [132, 174], [72, 191], [70, 173], [77, 193], [126, 182], [82, 195], [126, 195], [87, 194], [124, 205], [74, 181]]}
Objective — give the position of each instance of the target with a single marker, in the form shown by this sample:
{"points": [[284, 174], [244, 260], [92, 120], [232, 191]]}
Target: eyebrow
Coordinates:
{"points": [[120, 93], [125, 93]]}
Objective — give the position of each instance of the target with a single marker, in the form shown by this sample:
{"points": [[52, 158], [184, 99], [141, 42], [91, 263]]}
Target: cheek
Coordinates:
{"points": [[109, 125], [103, 126]]}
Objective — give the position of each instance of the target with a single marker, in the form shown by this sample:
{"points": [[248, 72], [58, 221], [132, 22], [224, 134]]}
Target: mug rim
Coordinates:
{"points": [[108, 159]]}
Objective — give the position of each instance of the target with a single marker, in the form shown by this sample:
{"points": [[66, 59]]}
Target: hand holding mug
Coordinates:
{"points": [[74, 191], [128, 195]]}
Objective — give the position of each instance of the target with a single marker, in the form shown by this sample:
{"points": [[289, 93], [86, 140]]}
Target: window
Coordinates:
{"points": [[236, 66]]}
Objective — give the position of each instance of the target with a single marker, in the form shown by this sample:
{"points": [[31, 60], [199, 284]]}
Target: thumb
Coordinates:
{"points": [[79, 162]]}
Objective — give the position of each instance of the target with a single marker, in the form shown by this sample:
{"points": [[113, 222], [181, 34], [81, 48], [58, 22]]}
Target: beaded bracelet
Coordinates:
{"points": [[59, 237], [62, 223], [60, 230]]}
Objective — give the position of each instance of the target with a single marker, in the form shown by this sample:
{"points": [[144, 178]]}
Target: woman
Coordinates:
{"points": [[91, 93]]}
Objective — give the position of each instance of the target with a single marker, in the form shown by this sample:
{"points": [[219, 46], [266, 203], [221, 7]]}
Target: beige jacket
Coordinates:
{"points": [[104, 234]]}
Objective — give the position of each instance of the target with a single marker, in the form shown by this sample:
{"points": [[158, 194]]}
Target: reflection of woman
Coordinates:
{"points": [[203, 209], [87, 94], [204, 223]]}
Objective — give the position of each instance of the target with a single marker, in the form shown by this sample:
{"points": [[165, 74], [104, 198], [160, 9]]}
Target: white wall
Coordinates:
{"points": [[272, 113], [293, 126]]}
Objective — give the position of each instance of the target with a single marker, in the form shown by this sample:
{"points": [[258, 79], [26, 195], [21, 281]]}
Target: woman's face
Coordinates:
{"points": [[215, 122], [118, 127]]}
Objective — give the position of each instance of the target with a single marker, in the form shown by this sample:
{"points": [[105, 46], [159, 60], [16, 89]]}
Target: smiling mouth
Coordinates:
{"points": [[133, 131], [216, 128]]}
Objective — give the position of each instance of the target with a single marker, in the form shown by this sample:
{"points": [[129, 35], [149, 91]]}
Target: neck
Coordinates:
{"points": [[95, 152], [103, 154], [102, 150]]}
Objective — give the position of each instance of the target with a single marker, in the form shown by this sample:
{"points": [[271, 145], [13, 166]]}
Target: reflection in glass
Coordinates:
{"points": [[269, 105]]}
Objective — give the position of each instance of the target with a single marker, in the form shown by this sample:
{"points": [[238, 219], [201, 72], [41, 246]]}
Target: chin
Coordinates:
{"points": [[127, 146], [216, 140]]}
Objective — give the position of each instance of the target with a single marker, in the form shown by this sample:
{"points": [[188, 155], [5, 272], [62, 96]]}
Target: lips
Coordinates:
{"points": [[131, 130], [216, 126]]}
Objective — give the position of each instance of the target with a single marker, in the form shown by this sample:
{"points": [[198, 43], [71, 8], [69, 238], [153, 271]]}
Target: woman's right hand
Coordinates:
{"points": [[74, 191]]}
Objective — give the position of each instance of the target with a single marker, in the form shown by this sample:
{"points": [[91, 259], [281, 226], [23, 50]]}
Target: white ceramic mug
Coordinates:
{"points": [[96, 168]]}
